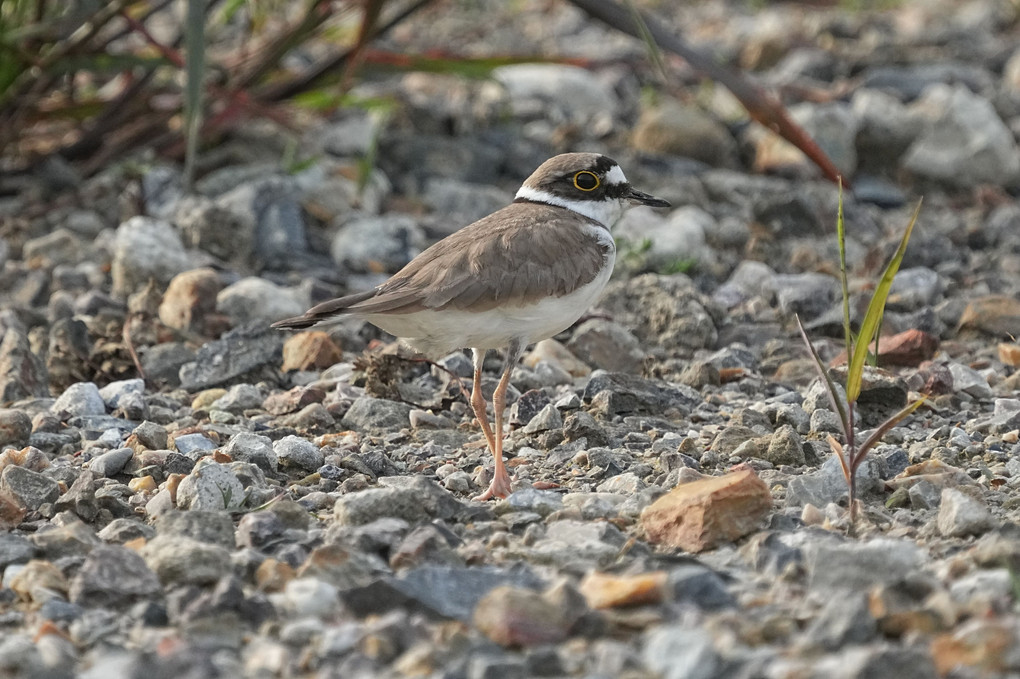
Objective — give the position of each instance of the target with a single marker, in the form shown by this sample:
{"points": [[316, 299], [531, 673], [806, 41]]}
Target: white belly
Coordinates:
{"points": [[437, 333]]}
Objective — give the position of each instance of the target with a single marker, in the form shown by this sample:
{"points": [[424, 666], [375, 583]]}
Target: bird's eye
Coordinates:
{"points": [[586, 181]]}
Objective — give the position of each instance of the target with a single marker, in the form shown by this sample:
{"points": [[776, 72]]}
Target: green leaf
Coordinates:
{"points": [[830, 386], [873, 317]]}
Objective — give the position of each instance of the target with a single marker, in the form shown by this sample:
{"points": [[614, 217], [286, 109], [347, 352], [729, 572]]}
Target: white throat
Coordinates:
{"points": [[606, 212]]}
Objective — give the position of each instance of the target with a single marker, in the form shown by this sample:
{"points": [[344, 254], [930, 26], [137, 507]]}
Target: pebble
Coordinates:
{"points": [[961, 514], [296, 452]]}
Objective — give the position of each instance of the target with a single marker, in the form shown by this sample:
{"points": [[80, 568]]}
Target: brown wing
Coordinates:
{"points": [[513, 256]]}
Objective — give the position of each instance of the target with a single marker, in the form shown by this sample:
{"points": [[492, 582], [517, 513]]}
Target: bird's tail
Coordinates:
{"points": [[324, 312]]}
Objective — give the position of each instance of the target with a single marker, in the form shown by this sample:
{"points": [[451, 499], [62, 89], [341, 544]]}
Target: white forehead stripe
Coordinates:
{"points": [[615, 176], [605, 212]]}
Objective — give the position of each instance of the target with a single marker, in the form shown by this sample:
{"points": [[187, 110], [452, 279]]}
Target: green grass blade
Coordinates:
{"points": [[830, 386], [194, 37], [873, 317], [883, 429]]}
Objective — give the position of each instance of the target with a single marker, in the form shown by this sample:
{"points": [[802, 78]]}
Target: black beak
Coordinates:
{"points": [[636, 196]]}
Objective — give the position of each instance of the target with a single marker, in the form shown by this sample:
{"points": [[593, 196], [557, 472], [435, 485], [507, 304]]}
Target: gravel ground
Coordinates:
{"points": [[271, 505]]}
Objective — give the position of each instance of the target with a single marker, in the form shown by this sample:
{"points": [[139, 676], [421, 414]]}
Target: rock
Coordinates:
{"points": [[995, 315], [28, 488], [240, 354], [685, 131], [238, 398], [193, 445], [785, 447], [969, 381], [256, 299], [961, 514], [80, 498], [908, 348], [806, 294], [843, 621], [580, 425], [111, 463], [964, 142], [248, 447], [547, 419], [675, 652], [983, 644], [222, 230], [554, 353], [840, 566], [886, 129], [113, 577], [662, 310], [210, 486], [190, 300], [124, 530], [924, 495], [620, 393], [311, 350], [179, 560], [147, 248], [828, 484], [560, 94], [269, 221], [602, 590], [213, 527], [1009, 354], [607, 345], [82, 399], [373, 244], [703, 587], [22, 372], [14, 549], [162, 363], [699, 515], [520, 617], [541, 502], [409, 498], [376, 414], [15, 428], [296, 452]]}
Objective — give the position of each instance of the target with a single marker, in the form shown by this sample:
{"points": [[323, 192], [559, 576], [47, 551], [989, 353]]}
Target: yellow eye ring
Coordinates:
{"points": [[586, 181]]}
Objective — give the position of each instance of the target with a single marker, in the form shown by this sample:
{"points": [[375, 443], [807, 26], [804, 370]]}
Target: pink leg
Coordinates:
{"points": [[500, 486]]}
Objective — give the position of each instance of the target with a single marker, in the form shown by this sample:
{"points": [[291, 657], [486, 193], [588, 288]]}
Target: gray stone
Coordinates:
{"points": [[607, 345], [386, 242], [30, 489], [785, 447], [560, 94], [676, 652], [268, 211], [460, 202], [410, 498], [961, 514], [248, 447], [151, 435], [883, 660], [113, 577], [969, 381], [179, 560], [828, 484], [162, 362], [913, 288], [189, 444], [210, 486], [14, 549], [885, 130], [577, 544], [542, 502], [15, 428], [806, 294], [145, 248], [111, 463], [833, 126], [80, 498], [547, 419], [580, 425], [241, 353], [298, 453], [113, 392], [630, 394], [239, 398], [214, 527], [254, 298], [964, 142], [700, 586], [661, 310], [843, 621], [924, 495], [80, 399], [837, 566], [377, 415], [123, 530], [825, 422], [60, 246]]}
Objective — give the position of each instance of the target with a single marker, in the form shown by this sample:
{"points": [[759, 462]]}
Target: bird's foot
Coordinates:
{"points": [[499, 488]]}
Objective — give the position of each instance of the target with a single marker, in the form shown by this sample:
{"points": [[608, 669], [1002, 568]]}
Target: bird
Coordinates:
{"points": [[520, 275]]}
